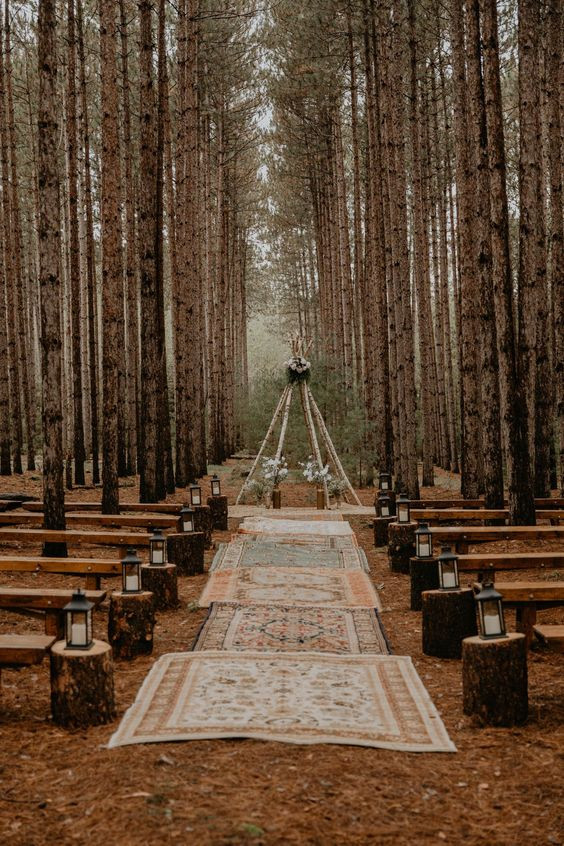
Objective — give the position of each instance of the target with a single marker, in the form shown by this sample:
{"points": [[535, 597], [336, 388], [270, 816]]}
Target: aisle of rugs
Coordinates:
{"points": [[292, 649]]}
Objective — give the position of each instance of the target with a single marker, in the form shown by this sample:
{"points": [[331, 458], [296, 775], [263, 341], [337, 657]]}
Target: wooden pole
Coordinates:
{"points": [[312, 435], [329, 444], [284, 422]]}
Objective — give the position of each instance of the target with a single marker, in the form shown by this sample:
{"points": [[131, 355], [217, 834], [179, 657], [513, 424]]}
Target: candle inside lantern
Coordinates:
{"points": [[491, 620], [131, 583], [158, 556], [424, 549], [449, 580], [78, 634]]}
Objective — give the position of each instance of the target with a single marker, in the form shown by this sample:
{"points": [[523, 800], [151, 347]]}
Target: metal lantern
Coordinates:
{"points": [[157, 544], [403, 509], [490, 612], [385, 481], [131, 572], [78, 621], [195, 495], [187, 518], [448, 569], [423, 541], [383, 505], [215, 485]]}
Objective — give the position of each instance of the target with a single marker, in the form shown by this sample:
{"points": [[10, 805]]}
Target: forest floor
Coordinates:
{"points": [[503, 786]]}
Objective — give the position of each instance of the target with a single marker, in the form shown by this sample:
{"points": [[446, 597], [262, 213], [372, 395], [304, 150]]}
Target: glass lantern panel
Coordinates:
{"points": [[131, 577], [423, 546], [79, 629], [157, 552], [385, 510], [491, 617], [215, 488], [403, 514], [196, 497], [187, 525], [448, 575]]}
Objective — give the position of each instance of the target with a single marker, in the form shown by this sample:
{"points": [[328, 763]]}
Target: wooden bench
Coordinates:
{"points": [[461, 536], [147, 521], [74, 537], [551, 636], [92, 569], [458, 515], [124, 507], [47, 604], [482, 562], [23, 650], [540, 504], [527, 598]]}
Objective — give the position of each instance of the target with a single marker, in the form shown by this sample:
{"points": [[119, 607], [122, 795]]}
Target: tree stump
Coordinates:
{"points": [[494, 679], [82, 685], [186, 550], [203, 523], [162, 582], [401, 545], [219, 512], [424, 574], [381, 530], [449, 616], [131, 623]]}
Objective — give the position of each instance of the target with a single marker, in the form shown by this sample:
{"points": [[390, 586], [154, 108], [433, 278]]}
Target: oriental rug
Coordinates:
{"points": [[292, 586], [364, 700], [292, 628], [317, 541], [258, 525], [270, 554], [331, 516]]}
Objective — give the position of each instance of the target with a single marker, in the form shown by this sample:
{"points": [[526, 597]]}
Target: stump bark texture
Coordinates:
{"points": [[162, 582], [186, 550], [494, 679], [424, 575], [449, 616], [219, 511], [381, 530], [82, 685], [131, 624], [401, 546], [203, 523]]}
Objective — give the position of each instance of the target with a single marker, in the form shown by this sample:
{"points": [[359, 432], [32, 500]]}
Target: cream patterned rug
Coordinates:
{"points": [[364, 700], [292, 628], [268, 554], [318, 541], [291, 586], [331, 516], [268, 525]]}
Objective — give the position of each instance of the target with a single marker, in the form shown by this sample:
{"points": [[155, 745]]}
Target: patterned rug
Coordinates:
{"points": [[312, 541], [297, 527], [268, 554], [291, 586], [365, 700], [331, 516], [292, 628]]}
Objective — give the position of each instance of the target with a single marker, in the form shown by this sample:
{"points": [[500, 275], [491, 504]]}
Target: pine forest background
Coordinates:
{"points": [[185, 183]]}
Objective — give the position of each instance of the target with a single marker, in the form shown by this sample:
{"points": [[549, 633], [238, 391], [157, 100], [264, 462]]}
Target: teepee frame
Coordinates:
{"points": [[312, 415]]}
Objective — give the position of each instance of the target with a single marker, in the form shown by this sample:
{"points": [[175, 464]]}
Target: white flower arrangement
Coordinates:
{"points": [[337, 487], [298, 369], [274, 470], [316, 473]]}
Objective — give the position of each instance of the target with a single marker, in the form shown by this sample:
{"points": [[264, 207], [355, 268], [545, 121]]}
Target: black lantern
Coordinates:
{"points": [[423, 541], [157, 544], [131, 572], [383, 505], [195, 495], [215, 485], [490, 612], [402, 509], [187, 518], [385, 481], [78, 621], [448, 569]]}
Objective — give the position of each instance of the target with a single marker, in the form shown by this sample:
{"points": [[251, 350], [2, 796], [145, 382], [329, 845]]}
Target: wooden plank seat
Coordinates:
{"points": [[482, 562], [527, 598], [92, 569], [73, 537], [541, 503], [462, 536], [457, 515], [44, 603], [551, 635], [143, 507], [24, 650], [147, 521]]}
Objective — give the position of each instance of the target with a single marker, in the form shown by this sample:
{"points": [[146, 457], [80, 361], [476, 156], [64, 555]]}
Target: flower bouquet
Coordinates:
{"points": [[336, 489], [316, 473], [274, 470], [299, 369]]}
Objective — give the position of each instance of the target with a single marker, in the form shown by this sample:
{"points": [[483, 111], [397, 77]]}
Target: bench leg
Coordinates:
{"points": [[526, 617], [54, 624]]}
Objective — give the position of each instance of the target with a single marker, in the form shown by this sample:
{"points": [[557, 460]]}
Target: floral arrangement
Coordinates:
{"points": [[316, 473], [336, 488], [274, 470], [260, 489], [299, 369]]}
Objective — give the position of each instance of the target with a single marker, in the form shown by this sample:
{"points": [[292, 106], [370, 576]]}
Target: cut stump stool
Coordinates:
{"points": [[449, 616], [82, 685], [186, 550], [162, 582], [381, 530], [203, 523], [131, 623], [424, 575], [494, 679], [219, 512], [401, 546]]}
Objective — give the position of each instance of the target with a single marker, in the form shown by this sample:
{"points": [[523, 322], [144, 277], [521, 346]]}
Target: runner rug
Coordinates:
{"points": [[270, 554], [291, 586], [292, 628], [297, 527], [365, 700], [318, 541]]}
